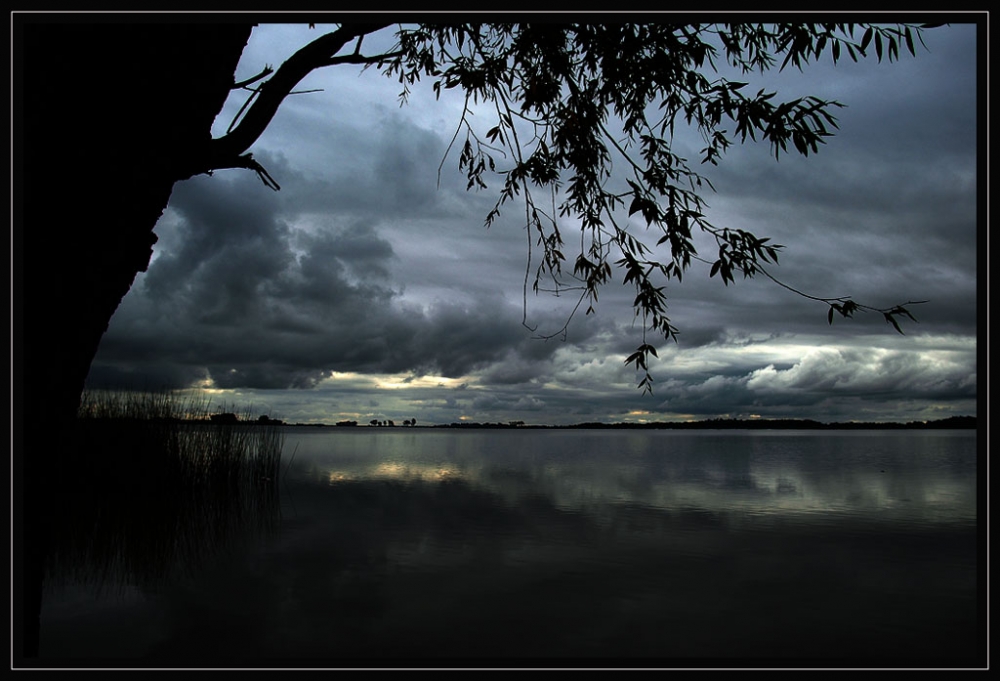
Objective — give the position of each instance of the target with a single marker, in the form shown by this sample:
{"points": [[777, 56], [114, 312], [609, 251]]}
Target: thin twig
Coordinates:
{"points": [[263, 74]]}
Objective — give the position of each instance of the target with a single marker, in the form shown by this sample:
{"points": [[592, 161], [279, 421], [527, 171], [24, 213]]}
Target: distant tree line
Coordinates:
{"points": [[232, 419], [950, 423], [386, 423], [498, 424]]}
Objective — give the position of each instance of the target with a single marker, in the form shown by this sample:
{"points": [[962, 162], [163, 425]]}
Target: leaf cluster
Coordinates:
{"points": [[573, 102], [846, 308]]}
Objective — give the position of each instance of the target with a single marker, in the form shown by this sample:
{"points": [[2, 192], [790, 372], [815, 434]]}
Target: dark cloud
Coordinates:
{"points": [[517, 370], [373, 261], [253, 302]]}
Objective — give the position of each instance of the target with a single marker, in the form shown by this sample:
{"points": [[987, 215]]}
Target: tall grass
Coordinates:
{"points": [[151, 486], [144, 426]]}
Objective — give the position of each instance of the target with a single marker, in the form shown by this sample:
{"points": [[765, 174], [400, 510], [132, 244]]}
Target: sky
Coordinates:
{"points": [[369, 288]]}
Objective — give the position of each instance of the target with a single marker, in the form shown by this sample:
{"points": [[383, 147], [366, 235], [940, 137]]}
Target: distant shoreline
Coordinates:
{"points": [[950, 423]]}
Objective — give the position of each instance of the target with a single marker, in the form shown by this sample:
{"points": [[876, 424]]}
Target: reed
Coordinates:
{"points": [[161, 429], [151, 486]]}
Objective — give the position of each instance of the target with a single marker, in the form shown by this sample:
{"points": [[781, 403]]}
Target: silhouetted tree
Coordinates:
{"points": [[108, 115], [111, 113], [569, 84]]}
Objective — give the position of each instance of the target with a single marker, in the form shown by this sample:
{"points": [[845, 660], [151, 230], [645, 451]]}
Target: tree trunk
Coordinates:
{"points": [[111, 114]]}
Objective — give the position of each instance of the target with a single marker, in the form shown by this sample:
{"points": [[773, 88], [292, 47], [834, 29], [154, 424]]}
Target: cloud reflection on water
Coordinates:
{"points": [[423, 545], [891, 476]]}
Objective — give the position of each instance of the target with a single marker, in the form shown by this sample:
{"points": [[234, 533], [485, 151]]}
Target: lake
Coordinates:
{"points": [[431, 547]]}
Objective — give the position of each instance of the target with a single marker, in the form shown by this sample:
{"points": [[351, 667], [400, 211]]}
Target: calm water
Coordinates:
{"points": [[421, 545]]}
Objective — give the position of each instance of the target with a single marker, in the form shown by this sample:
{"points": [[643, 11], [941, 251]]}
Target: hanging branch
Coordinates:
{"points": [[847, 307]]}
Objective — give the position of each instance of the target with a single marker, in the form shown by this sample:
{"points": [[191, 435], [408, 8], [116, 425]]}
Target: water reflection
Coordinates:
{"points": [[127, 518], [921, 476], [477, 546]]}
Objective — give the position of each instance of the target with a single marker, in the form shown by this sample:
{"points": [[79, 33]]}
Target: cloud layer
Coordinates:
{"points": [[368, 285]]}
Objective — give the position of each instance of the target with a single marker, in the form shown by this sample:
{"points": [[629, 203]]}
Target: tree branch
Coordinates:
{"points": [[224, 150], [250, 163], [263, 74], [361, 59]]}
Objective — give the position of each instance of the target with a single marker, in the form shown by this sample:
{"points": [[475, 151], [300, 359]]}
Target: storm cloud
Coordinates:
{"points": [[369, 285]]}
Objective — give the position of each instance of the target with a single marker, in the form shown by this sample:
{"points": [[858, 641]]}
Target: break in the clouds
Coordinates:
{"points": [[368, 287]]}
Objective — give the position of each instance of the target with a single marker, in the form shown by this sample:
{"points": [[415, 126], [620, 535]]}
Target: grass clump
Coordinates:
{"points": [[182, 435], [149, 484]]}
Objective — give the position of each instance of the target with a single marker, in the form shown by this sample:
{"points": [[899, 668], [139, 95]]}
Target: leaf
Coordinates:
{"points": [[867, 38], [646, 384], [638, 358], [829, 315]]}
